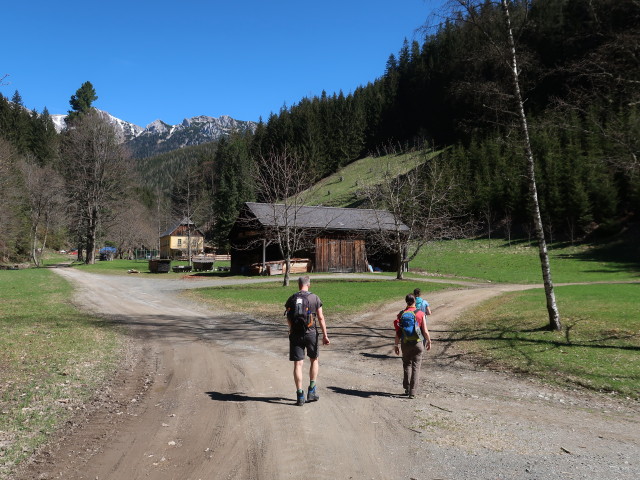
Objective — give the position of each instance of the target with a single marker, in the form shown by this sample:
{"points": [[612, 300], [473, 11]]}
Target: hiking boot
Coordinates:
{"points": [[312, 396], [300, 401], [411, 397], [406, 391]]}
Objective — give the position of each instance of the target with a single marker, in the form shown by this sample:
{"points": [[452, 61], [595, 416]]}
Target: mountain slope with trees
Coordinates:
{"points": [[578, 71]]}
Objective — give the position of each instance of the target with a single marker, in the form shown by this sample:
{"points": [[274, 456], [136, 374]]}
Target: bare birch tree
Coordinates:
{"points": [[502, 40], [187, 202], [423, 207]]}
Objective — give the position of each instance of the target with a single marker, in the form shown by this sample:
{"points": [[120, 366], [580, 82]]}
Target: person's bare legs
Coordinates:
{"points": [[312, 395], [297, 373], [313, 369]]}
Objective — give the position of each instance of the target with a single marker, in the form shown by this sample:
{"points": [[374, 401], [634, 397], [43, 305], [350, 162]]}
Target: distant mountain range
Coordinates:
{"points": [[159, 137]]}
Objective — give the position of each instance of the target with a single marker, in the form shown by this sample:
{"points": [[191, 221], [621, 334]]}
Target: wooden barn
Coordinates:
{"points": [[336, 239], [174, 242]]}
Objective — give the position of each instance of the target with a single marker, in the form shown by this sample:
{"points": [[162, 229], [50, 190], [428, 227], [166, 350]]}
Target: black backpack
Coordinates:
{"points": [[300, 313]]}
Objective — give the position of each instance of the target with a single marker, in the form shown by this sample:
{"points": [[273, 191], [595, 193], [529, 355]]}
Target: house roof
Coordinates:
{"points": [[329, 218], [184, 221]]}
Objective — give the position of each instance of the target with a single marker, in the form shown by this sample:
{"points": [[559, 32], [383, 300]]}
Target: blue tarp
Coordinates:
{"points": [[108, 250]]}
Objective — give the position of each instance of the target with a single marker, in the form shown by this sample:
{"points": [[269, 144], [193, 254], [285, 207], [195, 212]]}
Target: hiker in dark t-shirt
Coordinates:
{"points": [[306, 339]]}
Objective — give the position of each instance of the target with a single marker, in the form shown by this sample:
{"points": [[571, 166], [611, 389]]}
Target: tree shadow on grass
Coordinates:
{"points": [[240, 397], [510, 336], [621, 254]]}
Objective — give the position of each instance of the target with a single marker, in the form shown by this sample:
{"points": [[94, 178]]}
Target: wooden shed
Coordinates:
{"points": [[337, 239]]}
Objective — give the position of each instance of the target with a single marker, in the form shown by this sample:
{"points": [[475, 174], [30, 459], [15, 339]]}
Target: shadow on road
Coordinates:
{"points": [[379, 356], [239, 397], [361, 393]]}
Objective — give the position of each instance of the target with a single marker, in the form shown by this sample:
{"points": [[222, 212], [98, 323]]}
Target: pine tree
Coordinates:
{"points": [[19, 124], [82, 101], [43, 138], [234, 184]]}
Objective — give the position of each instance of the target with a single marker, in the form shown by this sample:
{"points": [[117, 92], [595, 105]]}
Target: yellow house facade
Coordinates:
{"points": [[174, 242]]}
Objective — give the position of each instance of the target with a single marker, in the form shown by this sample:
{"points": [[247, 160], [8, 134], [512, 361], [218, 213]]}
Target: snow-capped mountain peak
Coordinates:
{"points": [[159, 136], [124, 130]]}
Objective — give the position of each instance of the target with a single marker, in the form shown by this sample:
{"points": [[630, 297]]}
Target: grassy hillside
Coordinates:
{"points": [[341, 188]]}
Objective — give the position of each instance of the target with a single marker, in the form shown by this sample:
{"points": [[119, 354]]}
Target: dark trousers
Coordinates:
{"points": [[411, 362]]}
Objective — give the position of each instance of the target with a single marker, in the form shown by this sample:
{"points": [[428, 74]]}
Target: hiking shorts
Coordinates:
{"points": [[298, 343]]}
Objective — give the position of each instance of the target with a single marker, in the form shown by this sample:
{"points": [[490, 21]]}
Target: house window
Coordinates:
{"points": [[179, 242]]}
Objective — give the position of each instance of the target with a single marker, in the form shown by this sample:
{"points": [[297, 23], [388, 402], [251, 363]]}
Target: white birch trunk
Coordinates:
{"points": [[552, 308]]}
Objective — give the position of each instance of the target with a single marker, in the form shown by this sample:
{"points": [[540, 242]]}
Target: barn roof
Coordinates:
{"points": [[329, 218], [184, 221]]}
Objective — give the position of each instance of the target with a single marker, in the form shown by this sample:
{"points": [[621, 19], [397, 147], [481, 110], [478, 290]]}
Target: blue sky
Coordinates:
{"points": [[166, 60]]}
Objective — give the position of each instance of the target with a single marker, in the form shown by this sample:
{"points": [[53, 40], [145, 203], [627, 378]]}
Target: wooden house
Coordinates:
{"points": [[174, 242], [336, 239]]}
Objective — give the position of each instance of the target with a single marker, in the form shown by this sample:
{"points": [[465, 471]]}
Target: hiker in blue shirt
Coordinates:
{"points": [[422, 304]]}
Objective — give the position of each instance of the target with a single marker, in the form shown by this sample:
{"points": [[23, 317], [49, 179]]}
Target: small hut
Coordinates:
{"points": [[338, 239]]}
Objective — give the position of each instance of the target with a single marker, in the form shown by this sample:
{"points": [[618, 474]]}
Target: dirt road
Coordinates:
{"points": [[205, 396]]}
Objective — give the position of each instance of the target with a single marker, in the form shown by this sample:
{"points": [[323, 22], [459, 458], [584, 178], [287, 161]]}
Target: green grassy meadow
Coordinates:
{"points": [[598, 347], [519, 263], [122, 267], [52, 359], [345, 297]]}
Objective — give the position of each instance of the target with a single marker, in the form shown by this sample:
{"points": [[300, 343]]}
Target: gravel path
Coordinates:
{"points": [[204, 396]]}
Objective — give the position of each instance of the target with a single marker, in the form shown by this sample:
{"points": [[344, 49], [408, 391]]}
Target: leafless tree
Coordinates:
{"points": [[189, 201], [132, 226], [423, 206], [44, 198], [284, 181], [507, 223], [502, 41], [96, 171]]}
